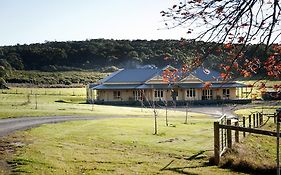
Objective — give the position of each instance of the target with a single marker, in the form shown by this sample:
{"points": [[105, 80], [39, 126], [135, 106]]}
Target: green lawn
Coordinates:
{"points": [[19, 102], [117, 146], [108, 146], [264, 109]]}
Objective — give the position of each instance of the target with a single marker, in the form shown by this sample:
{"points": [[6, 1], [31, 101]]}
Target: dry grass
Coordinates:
{"points": [[255, 155]]}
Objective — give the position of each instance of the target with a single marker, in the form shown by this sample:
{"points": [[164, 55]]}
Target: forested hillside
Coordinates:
{"points": [[99, 53], [104, 54]]}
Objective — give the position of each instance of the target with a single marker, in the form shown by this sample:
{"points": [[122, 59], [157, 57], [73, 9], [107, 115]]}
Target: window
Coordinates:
{"points": [[226, 93], [137, 95], [190, 92], [207, 94], [116, 94], [158, 94]]}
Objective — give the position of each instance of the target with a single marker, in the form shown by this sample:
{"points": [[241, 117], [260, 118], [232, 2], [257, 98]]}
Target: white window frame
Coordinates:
{"points": [[208, 94], [158, 93], [190, 92], [137, 95]]}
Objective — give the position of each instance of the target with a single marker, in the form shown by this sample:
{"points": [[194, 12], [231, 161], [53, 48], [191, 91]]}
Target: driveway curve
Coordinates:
{"points": [[10, 125]]}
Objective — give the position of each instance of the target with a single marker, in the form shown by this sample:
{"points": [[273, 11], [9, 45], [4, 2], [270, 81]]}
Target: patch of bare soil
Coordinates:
{"points": [[6, 151], [8, 146]]}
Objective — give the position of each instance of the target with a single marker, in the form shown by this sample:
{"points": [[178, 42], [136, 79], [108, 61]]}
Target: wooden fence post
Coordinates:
{"points": [[261, 119], [250, 121], [216, 143], [244, 125], [222, 135], [258, 121], [237, 133], [229, 137], [254, 120]]}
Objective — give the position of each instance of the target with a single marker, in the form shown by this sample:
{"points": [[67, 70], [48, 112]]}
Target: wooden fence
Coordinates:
{"points": [[223, 137]]}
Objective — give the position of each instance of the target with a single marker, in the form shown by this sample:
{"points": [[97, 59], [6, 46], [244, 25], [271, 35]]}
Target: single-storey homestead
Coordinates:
{"points": [[127, 86]]}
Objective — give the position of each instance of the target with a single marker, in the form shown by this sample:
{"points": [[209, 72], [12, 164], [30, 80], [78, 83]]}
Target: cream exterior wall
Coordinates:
{"points": [[127, 95], [107, 95], [219, 92]]}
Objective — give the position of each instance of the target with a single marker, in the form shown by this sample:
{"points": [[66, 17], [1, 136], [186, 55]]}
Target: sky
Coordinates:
{"points": [[37, 21]]}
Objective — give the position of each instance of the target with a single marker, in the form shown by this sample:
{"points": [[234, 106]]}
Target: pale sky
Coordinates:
{"points": [[33, 21]]}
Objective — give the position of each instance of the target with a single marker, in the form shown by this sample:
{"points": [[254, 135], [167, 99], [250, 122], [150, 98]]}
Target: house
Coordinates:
{"points": [[129, 86]]}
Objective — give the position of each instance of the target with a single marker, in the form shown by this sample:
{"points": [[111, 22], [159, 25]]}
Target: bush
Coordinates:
{"points": [[110, 69], [3, 84]]}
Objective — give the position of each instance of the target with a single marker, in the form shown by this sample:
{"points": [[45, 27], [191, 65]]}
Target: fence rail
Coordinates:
{"points": [[223, 128]]}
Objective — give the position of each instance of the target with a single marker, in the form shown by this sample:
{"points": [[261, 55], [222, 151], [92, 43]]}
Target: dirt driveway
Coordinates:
{"points": [[216, 110], [13, 124]]}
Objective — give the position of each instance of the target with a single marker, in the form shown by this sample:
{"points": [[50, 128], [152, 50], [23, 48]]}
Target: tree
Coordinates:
{"points": [[15, 61], [245, 35], [234, 26], [5, 70]]}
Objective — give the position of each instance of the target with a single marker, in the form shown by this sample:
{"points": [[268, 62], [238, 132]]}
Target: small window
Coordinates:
{"points": [[116, 94], [137, 95], [158, 94], [226, 93], [190, 92]]}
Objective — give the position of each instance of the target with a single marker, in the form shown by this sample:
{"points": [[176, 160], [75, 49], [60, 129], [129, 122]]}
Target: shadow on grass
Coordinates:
{"points": [[181, 170]]}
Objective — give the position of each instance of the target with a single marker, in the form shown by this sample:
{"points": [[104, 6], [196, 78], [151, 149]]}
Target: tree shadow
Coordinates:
{"points": [[180, 170], [196, 156]]}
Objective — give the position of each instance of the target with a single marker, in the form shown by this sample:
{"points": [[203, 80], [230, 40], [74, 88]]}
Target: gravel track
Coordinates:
{"points": [[10, 125]]}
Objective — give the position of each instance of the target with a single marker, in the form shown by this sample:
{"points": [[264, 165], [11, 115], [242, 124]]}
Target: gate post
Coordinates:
{"points": [[250, 121], [244, 125], [261, 119], [254, 120], [237, 133], [257, 119], [229, 137], [216, 143]]}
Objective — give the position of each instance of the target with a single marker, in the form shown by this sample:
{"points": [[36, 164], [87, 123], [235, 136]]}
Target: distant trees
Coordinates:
{"points": [[98, 54], [5, 70]]}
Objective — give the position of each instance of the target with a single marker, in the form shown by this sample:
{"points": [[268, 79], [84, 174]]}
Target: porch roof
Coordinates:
{"points": [[155, 86], [227, 85]]}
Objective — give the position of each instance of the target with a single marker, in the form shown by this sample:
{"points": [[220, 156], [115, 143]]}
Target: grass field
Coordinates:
{"points": [[108, 146], [267, 108], [116, 146], [19, 102]]}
